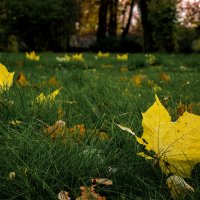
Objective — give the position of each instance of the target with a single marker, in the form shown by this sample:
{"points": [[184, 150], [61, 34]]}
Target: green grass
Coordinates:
{"points": [[101, 95]]}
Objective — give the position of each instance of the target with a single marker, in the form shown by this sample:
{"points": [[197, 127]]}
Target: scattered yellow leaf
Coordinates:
{"points": [[137, 79], [103, 136], [124, 69], [15, 122], [182, 108], [53, 81], [78, 57], [32, 56], [122, 56], [107, 66], [103, 55], [165, 77], [79, 128], [21, 80], [65, 58], [55, 131], [51, 97], [6, 78], [154, 86], [61, 113]]}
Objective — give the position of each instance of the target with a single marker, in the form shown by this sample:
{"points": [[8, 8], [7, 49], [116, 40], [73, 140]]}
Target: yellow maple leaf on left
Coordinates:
{"points": [[176, 144], [6, 78]]}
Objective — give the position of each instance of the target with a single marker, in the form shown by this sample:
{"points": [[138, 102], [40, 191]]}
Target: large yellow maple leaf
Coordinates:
{"points": [[6, 78], [176, 144]]}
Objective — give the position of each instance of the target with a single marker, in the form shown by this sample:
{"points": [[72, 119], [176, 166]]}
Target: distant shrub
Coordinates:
{"points": [[13, 45], [196, 45], [115, 44], [42, 25], [185, 38]]}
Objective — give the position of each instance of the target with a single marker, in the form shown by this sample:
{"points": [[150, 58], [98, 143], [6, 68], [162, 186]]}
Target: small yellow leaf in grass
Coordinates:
{"points": [[12, 175], [80, 128], [21, 80], [122, 56], [32, 56], [49, 98], [52, 96], [107, 66], [137, 79], [55, 131], [41, 98], [165, 77], [103, 136], [65, 58], [61, 113], [6, 78], [103, 55], [178, 187], [124, 69], [78, 57], [156, 88], [182, 108], [53, 81], [15, 122]]}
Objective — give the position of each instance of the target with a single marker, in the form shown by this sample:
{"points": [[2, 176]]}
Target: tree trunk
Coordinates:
{"points": [[102, 24], [112, 26], [147, 28], [126, 28]]}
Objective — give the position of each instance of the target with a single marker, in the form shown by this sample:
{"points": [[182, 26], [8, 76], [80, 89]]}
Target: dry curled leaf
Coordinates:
{"points": [[53, 81], [63, 195], [79, 128], [178, 187], [165, 77], [56, 130], [89, 193], [21, 80]]}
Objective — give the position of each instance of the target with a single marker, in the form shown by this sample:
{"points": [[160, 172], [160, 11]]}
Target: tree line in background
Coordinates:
{"points": [[107, 25]]}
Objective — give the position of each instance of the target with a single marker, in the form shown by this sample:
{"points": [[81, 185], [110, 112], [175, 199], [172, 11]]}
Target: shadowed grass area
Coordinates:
{"points": [[98, 92]]}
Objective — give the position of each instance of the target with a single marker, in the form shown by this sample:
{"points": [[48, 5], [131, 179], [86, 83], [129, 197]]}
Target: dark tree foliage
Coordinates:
{"points": [[158, 20], [112, 26], [102, 24], [126, 28], [42, 25], [107, 24], [147, 27]]}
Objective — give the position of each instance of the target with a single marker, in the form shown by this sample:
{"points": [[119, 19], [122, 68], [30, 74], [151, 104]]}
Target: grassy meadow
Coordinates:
{"points": [[96, 93]]}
